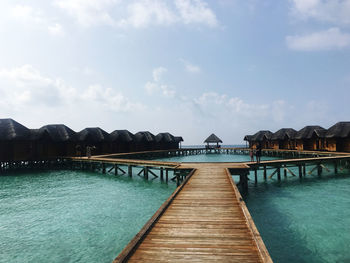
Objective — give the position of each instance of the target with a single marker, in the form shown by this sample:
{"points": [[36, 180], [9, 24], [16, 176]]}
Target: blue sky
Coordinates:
{"points": [[190, 67]]}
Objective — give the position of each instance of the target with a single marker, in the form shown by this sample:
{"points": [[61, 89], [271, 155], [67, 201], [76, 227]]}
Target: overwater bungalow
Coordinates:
{"points": [[94, 137], [283, 139], [177, 142], [15, 143], [337, 137], [248, 140], [310, 138], [212, 139], [122, 141], [164, 141], [53, 140], [145, 141], [261, 137]]}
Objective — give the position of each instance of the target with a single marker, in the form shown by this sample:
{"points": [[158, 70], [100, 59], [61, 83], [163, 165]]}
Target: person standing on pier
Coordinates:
{"points": [[251, 154], [258, 153]]}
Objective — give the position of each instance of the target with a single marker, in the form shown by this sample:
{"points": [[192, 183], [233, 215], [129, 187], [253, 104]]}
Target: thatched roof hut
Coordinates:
{"points": [[121, 136], [309, 131], [11, 130], [339, 130], [213, 139], [164, 137], [122, 141], [144, 136], [145, 140], [93, 135], [55, 132], [261, 136], [282, 134]]}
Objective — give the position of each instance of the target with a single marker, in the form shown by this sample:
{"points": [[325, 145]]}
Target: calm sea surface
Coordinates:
{"points": [[70, 216]]}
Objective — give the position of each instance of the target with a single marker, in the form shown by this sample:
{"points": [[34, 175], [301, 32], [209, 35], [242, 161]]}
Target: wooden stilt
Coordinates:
{"points": [[265, 172], [145, 172], [319, 170], [304, 169], [116, 169], [335, 167], [279, 174], [130, 170], [256, 176], [161, 173], [300, 171], [285, 171], [166, 175]]}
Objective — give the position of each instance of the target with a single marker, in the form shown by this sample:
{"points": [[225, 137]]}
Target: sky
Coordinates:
{"points": [[188, 67]]}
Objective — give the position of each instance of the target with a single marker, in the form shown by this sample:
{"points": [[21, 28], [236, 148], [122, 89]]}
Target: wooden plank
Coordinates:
{"points": [[204, 222]]}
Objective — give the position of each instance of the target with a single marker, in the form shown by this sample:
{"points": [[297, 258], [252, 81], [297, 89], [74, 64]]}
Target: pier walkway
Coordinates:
{"points": [[205, 220]]}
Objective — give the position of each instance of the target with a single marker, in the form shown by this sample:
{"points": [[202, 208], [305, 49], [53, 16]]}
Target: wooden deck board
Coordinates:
{"points": [[204, 223]]}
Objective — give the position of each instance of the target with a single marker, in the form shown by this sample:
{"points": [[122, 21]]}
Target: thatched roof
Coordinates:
{"points": [[261, 135], [285, 133], [213, 139], [56, 132], [308, 131], [144, 136], [178, 139], [164, 137], [121, 136], [248, 138], [94, 134], [339, 130], [12, 130]]}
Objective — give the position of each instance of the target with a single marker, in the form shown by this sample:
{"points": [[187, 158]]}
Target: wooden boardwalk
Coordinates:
{"points": [[206, 221]]}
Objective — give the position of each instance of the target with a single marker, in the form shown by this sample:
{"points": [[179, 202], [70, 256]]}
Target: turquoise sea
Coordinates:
{"points": [[74, 216], [71, 216]]}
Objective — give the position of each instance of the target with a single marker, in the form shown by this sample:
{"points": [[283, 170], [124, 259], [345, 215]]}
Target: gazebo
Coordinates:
{"points": [[213, 139]]}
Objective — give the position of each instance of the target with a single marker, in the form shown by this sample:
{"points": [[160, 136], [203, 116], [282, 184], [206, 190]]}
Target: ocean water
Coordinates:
{"points": [[72, 216]]}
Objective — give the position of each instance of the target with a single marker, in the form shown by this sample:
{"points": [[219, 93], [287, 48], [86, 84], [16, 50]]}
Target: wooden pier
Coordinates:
{"points": [[205, 220]]}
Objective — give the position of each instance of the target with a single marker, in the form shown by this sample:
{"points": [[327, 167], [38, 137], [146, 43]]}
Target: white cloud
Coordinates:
{"points": [[138, 13], [329, 39], [335, 11], [56, 30], [147, 12], [156, 86], [26, 87], [196, 11], [26, 13], [192, 68], [158, 73], [30, 16], [89, 12]]}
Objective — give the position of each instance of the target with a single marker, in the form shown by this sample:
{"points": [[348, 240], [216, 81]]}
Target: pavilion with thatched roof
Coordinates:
{"points": [[213, 139], [310, 138]]}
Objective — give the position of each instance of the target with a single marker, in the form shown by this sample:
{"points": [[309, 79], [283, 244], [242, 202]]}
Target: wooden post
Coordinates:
{"points": [[166, 174], [279, 173], [300, 171], [161, 173], [285, 171], [256, 176], [304, 169], [130, 170], [115, 169], [319, 169], [335, 167], [265, 172], [145, 172]]}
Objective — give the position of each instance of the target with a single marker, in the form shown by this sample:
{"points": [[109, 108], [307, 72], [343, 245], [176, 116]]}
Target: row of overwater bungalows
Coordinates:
{"points": [[312, 138], [17, 142]]}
